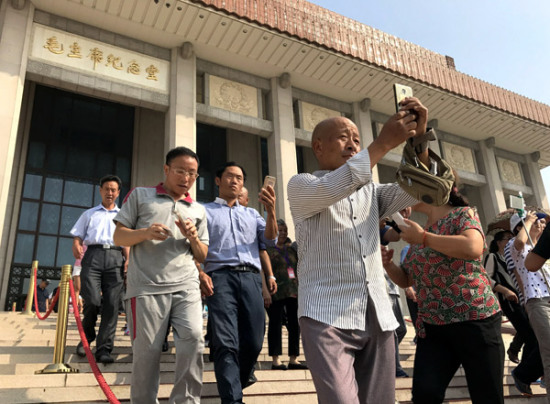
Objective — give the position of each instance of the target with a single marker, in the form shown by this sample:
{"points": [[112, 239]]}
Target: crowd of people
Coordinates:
{"points": [[334, 287]]}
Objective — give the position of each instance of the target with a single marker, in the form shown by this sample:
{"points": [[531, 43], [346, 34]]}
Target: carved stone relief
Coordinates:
{"points": [[233, 96], [459, 157], [313, 114], [510, 171]]}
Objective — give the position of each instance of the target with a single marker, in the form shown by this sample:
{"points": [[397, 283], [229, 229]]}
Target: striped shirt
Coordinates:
{"points": [[336, 214], [534, 286]]}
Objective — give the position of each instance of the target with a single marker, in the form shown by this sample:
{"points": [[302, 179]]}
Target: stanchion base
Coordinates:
{"points": [[57, 368]]}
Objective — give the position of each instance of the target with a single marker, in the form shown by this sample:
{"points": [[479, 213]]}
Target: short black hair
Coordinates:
{"points": [[180, 151], [222, 169], [109, 178]]}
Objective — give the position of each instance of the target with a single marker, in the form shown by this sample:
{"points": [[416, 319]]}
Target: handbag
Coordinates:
{"points": [[429, 185]]}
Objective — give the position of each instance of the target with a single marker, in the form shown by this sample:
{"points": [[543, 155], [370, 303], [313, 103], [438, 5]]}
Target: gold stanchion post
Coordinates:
{"points": [[61, 328], [32, 290]]}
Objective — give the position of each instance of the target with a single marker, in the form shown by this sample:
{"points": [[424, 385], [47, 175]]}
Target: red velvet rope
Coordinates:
{"points": [[52, 305], [91, 360]]}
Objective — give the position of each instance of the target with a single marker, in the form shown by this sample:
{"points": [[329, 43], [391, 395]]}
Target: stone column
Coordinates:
{"points": [[181, 116], [361, 117], [282, 145], [492, 195], [14, 46], [533, 170]]}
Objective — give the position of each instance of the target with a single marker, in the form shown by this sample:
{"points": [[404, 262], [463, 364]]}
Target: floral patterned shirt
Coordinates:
{"points": [[450, 290], [281, 260]]}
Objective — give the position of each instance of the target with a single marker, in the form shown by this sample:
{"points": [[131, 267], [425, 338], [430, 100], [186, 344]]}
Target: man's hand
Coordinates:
{"points": [[421, 112], [272, 286], [188, 229], [267, 198], [387, 256], [77, 248], [157, 232], [207, 287]]}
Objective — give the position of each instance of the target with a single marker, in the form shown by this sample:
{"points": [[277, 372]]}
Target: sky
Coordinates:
{"points": [[504, 42]]}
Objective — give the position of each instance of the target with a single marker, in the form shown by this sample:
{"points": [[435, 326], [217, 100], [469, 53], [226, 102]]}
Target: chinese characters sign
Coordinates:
{"points": [[95, 58]]}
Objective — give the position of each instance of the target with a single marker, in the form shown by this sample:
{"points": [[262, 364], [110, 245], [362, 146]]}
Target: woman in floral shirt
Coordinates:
{"points": [[458, 314], [284, 261]]}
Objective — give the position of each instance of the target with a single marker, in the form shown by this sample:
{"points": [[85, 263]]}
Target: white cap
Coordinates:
{"points": [[514, 221]]}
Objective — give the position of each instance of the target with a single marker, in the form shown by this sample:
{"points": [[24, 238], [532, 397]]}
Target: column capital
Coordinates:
{"points": [[433, 123], [284, 80], [187, 50], [535, 156], [19, 4], [364, 104], [490, 142]]}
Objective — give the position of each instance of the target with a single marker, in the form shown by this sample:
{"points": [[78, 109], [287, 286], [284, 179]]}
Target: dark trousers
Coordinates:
{"points": [[530, 368], [476, 345], [101, 279], [401, 331], [274, 333], [237, 317]]}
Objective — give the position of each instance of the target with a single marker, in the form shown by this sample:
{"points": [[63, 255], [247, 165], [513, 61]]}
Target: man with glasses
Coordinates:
{"points": [[167, 232], [232, 283], [102, 268]]}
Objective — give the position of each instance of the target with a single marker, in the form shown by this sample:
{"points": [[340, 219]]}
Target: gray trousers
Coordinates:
{"points": [[538, 311], [148, 319], [350, 366]]}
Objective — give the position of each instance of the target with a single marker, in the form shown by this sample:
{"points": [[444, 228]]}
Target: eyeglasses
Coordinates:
{"points": [[184, 173]]}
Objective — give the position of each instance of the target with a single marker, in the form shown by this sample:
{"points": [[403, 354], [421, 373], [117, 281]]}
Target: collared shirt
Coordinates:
{"points": [[534, 286], [235, 235], [161, 267], [95, 226], [336, 215]]}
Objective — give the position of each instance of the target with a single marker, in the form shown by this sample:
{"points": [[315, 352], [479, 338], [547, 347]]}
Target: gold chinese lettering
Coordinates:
{"points": [[114, 61], [96, 55], [53, 45], [133, 67], [152, 73], [75, 51]]}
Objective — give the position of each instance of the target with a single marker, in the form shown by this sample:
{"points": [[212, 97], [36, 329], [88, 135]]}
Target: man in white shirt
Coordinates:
{"points": [[346, 316], [102, 268]]}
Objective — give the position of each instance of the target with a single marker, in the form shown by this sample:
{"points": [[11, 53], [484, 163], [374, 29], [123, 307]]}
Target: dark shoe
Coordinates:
{"points": [[297, 366], [80, 350], [513, 356], [251, 380], [165, 346], [104, 358], [523, 388], [401, 373], [279, 367]]}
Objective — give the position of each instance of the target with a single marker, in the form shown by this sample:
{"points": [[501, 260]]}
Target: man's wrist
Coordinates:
{"points": [[271, 277]]}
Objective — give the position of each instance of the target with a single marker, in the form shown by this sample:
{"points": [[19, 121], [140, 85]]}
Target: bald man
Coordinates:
{"points": [[346, 315]]}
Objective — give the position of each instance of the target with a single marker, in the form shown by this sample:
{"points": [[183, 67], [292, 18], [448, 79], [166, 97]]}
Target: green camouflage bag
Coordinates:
{"points": [[432, 186]]}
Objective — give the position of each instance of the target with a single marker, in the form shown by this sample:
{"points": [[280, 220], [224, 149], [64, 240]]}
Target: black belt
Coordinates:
{"points": [[242, 268], [105, 247]]}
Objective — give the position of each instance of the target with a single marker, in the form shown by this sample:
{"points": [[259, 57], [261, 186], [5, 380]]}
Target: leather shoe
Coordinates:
{"points": [[297, 366], [513, 356], [104, 358], [251, 380], [282, 366], [80, 350], [523, 388]]}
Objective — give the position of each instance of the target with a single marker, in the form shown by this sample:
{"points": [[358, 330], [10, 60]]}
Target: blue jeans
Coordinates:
{"points": [[236, 311]]}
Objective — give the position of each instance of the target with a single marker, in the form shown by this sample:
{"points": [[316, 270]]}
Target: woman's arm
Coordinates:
{"points": [[396, 273]]}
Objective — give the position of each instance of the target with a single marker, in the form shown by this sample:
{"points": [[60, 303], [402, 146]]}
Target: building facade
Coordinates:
{"points": [[108, 86]]}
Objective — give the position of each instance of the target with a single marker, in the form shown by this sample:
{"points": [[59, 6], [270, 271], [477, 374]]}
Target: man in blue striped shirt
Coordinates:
{"points": [[346, 316]]}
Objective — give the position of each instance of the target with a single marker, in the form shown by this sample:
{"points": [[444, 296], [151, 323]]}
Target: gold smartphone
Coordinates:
{"points": [[401, 92], [269, 180]]}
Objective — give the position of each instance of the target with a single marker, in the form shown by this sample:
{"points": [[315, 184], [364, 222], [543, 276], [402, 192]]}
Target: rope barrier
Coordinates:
{"points": [[52, 305], [91, 360]]}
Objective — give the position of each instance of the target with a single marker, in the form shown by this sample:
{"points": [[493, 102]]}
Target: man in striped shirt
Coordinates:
{"points": [[345, 312]]}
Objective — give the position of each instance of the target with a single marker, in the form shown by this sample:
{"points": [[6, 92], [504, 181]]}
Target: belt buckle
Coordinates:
{"points": [[106, 246]]}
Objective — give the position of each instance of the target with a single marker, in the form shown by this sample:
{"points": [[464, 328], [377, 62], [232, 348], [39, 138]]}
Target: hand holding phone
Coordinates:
{"points": [[397, 218], [400, 92]]}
